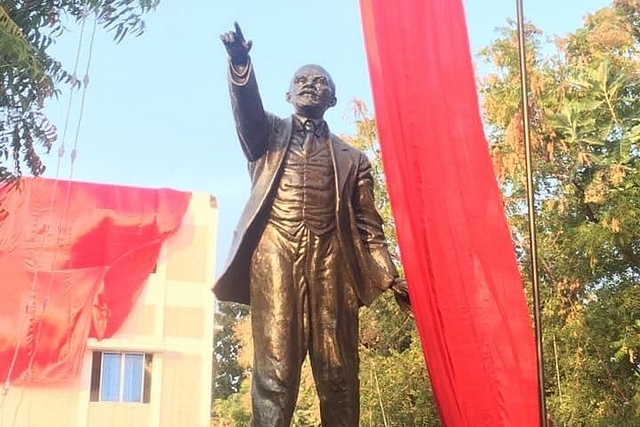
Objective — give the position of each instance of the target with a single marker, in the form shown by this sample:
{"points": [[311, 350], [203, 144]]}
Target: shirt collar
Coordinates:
{"points": [[322, 129]]}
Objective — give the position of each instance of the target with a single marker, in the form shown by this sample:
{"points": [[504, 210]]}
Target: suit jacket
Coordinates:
{"points": [[265, 139]]}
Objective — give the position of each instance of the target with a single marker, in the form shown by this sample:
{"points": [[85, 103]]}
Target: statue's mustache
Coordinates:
{"points": [[307, 91]]}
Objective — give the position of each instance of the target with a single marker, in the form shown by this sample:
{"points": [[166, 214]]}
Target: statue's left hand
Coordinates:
{"points": [[401, 294]]}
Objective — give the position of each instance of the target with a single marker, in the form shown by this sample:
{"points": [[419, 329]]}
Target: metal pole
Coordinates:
{"points": [[533, 247]]}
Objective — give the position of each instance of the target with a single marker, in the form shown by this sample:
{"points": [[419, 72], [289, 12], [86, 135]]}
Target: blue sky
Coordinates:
{"points": [[157, 112]]}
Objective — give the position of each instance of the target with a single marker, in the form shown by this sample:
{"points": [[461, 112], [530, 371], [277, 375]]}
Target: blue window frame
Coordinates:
{"points": [[121, 377]]}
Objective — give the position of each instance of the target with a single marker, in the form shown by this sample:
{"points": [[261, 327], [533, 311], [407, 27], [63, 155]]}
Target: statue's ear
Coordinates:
{"points": [[333, 102], [288, 97]]}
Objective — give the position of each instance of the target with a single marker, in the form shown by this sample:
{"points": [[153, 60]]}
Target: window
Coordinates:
{"points": [[120, 377]]}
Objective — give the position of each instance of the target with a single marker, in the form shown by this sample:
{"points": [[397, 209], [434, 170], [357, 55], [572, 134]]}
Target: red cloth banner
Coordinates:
{"points": [[73, 259], [466, 290]]}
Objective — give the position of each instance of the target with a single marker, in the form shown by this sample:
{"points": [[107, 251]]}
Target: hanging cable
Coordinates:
{"points": [[533, 246], [46, 299], [30, 305], [7, 383], [85, 84]]}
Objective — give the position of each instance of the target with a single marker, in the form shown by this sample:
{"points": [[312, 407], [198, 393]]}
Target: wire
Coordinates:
{"points": [[30, 306], [5, 387], [46, 299]]}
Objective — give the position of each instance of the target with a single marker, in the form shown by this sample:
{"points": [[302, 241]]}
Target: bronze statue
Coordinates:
{"points": [[309, 249]]}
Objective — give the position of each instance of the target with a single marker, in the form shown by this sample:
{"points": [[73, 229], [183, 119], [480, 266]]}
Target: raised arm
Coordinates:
{"points": [[252, 124]]}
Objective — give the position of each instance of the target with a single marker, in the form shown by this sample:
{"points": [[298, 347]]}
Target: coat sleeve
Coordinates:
{"points": [[252, 123], [368, 220]]}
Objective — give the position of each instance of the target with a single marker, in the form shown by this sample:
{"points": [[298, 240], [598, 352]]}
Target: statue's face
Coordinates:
{"points": [[311, 91]]}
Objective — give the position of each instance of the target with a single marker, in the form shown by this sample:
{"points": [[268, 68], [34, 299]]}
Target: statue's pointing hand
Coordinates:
{"points": [[237, 47]]}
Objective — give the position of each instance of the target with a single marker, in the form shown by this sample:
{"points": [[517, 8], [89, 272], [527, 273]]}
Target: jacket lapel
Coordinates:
{"points": [[342, 162]]}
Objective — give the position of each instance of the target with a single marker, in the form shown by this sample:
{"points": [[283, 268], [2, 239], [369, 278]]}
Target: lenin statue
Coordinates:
{"points": [[309, 249]]}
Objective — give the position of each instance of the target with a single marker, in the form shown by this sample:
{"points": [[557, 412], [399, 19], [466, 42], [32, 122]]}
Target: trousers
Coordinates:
{"points": [[302, 302]]}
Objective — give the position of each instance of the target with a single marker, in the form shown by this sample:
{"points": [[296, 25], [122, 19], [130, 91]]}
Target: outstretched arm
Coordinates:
{"points": [[252, 123]]}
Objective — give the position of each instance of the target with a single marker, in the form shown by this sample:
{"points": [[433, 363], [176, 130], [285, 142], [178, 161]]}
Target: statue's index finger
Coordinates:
{"points": [[238, 31]]}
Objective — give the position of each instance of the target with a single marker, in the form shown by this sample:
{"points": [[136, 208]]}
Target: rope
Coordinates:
{"points": [[6, 385], [46, 299], [30, 306]]}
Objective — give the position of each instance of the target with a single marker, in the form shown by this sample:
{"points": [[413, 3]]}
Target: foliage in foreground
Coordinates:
{"points": [[585, 105], [29, 75]]}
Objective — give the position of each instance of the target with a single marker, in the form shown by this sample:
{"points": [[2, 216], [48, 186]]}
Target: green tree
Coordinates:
{"points": [[29, 75], [231, 367], [585, 109], [227, 372], [233, 411]]}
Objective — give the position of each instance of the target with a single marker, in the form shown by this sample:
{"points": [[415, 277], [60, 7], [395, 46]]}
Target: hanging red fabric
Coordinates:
{"points": [[73, 260], [466, 290]]}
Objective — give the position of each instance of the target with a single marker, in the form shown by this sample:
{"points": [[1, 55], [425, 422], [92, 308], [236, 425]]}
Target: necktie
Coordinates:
{"points": [[309, 128]]}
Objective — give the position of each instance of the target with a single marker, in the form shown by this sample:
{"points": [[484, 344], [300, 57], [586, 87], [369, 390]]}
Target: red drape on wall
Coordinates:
{"points": [[459, 261], [73, 259]]}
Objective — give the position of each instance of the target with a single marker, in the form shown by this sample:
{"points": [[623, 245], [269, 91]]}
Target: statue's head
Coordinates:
{"points": [[311, 91]]}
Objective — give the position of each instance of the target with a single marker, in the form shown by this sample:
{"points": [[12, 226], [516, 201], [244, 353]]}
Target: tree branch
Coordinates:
{"points": [[584, 207]]}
